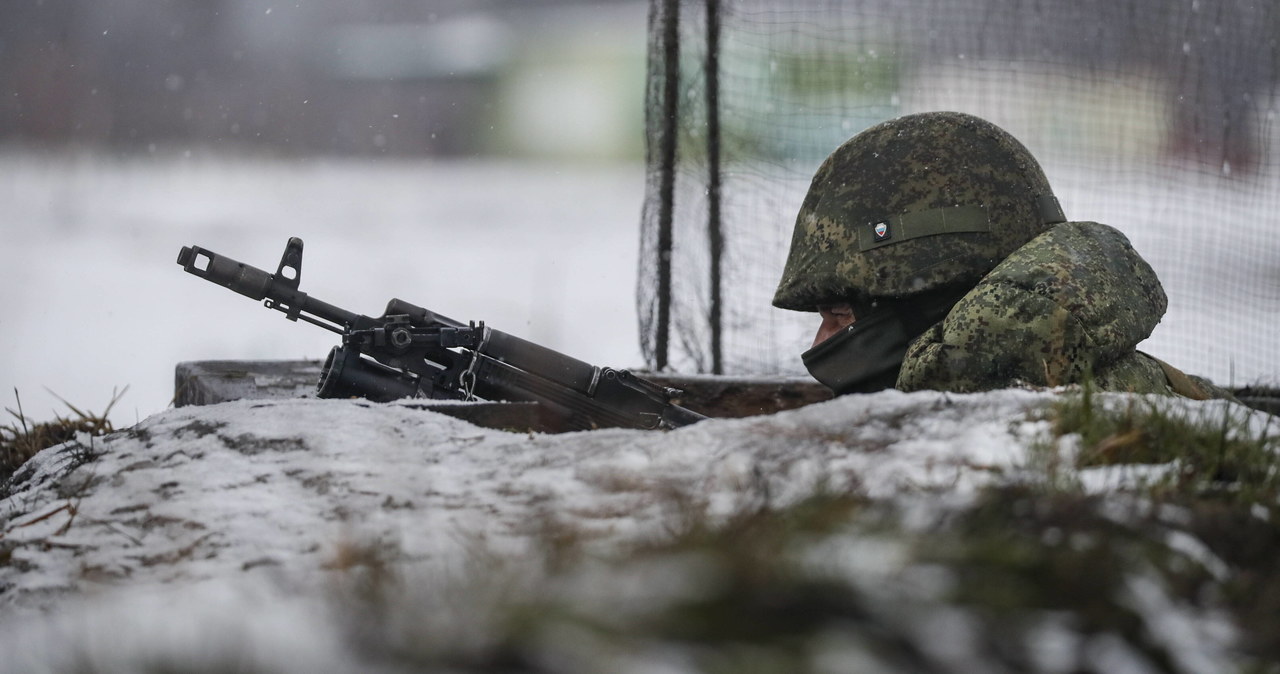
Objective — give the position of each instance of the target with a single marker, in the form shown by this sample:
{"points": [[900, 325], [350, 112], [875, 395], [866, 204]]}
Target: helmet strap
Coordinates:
{"points": [[1049, 210]]}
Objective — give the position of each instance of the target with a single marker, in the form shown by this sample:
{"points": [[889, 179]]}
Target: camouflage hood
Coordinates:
{"points": [[1072, 303], [913, 204]]}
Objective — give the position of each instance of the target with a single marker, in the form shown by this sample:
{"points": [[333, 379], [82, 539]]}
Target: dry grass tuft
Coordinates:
{"points": [[23, 439]]}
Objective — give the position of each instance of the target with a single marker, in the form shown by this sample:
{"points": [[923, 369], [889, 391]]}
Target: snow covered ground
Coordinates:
{"points": [[197, 494], [225, 536]]}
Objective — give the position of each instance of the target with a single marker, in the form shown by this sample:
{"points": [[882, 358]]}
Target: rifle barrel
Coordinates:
{"points": [[257, 284]]}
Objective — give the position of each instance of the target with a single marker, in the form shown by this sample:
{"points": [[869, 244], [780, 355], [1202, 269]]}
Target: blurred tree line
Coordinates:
{"points": [[421, 76], [343, 76]]}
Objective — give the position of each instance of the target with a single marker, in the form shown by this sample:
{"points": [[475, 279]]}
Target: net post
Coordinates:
{"points": [[715, 232], [670, 17]]}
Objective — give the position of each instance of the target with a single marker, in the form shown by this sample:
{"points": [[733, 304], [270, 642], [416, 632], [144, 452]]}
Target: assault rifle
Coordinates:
{"points": [[414, 352]]}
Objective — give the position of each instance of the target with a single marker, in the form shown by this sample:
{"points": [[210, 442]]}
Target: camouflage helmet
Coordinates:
{"points": [[914, 204]]}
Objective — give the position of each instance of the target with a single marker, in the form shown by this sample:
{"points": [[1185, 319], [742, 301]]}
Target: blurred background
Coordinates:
{"points": [[354, 77], [481, 158], [503, 161]]}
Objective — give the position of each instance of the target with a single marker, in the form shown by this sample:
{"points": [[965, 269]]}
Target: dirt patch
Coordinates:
{"points": [[251, 445]]}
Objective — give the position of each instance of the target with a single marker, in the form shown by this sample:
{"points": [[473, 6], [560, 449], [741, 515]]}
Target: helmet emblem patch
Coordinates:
{"points": [[881, 230]]}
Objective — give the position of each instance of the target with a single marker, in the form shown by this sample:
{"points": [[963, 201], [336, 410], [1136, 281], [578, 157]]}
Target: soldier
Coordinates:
{"points": [[938, 258]]}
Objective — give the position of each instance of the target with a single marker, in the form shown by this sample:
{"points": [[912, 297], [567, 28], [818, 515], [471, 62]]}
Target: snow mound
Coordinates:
{"points": [[202, 493], [218, 529]]}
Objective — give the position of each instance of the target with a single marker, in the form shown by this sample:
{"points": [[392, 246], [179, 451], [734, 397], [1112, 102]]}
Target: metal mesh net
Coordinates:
{"points": [[1152, 116]]}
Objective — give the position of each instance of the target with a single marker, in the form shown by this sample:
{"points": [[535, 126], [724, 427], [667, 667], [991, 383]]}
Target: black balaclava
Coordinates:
{"points": [[866, 356]]}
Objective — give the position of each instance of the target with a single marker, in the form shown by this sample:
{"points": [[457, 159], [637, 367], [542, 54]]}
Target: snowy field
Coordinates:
{"points": [[93, 300]]}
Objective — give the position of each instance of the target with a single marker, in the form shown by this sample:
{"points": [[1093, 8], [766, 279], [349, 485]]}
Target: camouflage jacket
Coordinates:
{"points": [[1070, 305]]}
